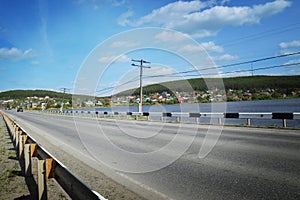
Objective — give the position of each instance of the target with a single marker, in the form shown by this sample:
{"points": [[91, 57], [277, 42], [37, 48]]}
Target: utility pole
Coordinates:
{"points": [[62, 103], [141, 80]]}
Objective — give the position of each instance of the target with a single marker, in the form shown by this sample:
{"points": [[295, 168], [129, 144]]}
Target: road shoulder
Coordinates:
{"points": [[12, 181]]}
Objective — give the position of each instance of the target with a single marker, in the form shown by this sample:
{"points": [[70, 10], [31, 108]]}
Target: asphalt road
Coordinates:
{"points": [[163, 158]]}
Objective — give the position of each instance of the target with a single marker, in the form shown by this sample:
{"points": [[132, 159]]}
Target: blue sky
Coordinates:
{"points": [[48, 44]]}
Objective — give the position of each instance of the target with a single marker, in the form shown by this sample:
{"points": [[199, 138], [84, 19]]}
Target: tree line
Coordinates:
{"points": [[251, 83], [22, 94]]}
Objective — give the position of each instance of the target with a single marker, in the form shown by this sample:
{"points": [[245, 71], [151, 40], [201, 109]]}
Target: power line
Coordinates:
{"points": [[181, 74], [274, 31], [237, 71], [229, 65], [250, 70], [261, 68], [246, 62], [222, 73], [119, 85]]}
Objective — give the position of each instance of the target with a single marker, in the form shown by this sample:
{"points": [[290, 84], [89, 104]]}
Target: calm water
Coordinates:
{"points": [[282, 105]]}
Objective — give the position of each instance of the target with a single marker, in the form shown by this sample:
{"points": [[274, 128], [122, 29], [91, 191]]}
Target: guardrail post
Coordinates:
{"points": [[16, 140], [16, 133], [248, 122], [21, 146], [13, 133], [42, 184], [27, 157], [219, 120], [49, 168], [284, 123]]}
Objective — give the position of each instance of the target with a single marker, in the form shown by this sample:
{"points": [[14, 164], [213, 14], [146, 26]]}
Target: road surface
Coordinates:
{"points": [[245, 163]]}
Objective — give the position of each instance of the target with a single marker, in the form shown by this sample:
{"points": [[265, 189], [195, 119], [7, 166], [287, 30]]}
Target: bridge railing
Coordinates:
{"points": [[248, 116], [47, 165]]}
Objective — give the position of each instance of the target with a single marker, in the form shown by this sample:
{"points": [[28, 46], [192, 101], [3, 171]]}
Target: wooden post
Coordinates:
{"points": [[27, 157], [25, 137], [33, 150], [22, 142], [20, 145], [49, 168], [17, 139], [16, 129], [14, 134], [42, 184]]}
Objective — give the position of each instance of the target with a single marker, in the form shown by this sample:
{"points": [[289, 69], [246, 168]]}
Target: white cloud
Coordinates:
{"points": [[110, 59], [171, 13], [293, 62], [289, 47], [167, 36], [225, 57], [14, 54], [191, 48], [285, 45], [159, 74], [119, 44], [200, 20], [212, 47], [224, 2], [205, 46], [238, 72], [123, 19], [35, 62]]}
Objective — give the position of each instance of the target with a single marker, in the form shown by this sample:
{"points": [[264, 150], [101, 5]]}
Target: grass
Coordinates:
{"points": [[12, 173], [2, 150]]}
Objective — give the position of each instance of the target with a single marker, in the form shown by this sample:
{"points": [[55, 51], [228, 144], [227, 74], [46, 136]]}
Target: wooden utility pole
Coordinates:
{"points": [[141, 80]]}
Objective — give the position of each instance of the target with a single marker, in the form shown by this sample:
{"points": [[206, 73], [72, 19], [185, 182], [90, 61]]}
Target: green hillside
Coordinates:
{"points": [[252, 83], [255, 83], [22, 94]]}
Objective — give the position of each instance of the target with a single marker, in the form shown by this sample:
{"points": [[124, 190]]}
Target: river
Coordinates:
{"points": [[281, 105]]}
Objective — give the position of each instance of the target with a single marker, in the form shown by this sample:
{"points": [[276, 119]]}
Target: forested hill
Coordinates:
{"points": [[251, 83], [22, 94], [198, 84]]}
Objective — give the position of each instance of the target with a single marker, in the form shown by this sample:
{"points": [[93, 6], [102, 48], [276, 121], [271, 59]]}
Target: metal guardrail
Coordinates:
{"points": [[48, 166], [178, 115]]}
